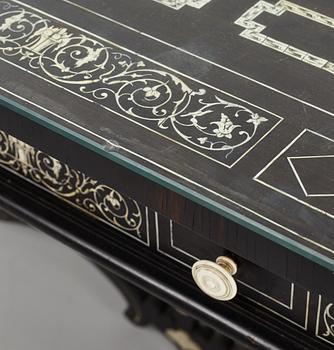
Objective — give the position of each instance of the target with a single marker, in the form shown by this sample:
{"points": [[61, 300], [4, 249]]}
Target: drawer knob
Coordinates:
{"points": [[215, 279]]}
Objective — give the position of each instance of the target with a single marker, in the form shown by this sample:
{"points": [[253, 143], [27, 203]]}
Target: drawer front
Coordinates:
{"points": [[275, 296]]}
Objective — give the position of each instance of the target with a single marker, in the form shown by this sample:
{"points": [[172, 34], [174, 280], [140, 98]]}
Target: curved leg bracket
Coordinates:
{"points": [[184, 331]]}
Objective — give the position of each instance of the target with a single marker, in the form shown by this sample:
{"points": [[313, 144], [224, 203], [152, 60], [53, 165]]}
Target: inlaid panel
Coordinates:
{"points": [[282, 299], [74, 187], [188, 113]]}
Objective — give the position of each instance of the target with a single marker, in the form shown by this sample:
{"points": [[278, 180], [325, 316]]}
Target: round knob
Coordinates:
{"points": [[215, 279]]}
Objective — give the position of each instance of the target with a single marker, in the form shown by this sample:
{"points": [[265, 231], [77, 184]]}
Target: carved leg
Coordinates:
{"points": [[185, 332], [136, 298]]}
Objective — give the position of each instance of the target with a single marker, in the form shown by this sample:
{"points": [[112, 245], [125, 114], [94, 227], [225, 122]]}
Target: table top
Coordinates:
{"points": [[228, 103]]}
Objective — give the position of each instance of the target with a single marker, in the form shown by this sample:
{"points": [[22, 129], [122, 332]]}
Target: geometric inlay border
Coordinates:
{"points": [[258, 179], [254, 30]]}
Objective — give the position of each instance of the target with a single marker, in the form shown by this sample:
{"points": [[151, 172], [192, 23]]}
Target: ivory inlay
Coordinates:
{"points": [[178, 4], [254, 30]]}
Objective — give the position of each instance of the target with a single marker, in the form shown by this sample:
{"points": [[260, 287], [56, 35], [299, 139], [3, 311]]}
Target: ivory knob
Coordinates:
{"points": [[216, 279]]}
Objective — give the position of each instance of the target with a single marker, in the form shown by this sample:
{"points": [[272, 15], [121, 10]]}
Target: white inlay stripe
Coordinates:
{"points": [[188, 180], [227, 69], [267, 167]]}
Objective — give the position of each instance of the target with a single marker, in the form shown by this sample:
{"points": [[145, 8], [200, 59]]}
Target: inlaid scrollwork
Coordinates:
{"points": [[329, 321], [117, 79], [72, 185]]}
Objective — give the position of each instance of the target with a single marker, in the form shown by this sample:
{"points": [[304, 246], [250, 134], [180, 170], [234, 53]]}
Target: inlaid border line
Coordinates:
{"points": [[146, 127], [256, 177], [197, 56], [176, 174], [147, 227], [305, 327], [157, 235], [290, 160]]}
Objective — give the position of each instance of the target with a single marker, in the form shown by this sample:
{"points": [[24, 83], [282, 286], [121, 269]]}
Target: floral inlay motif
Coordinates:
{"points": [[225, 127]]}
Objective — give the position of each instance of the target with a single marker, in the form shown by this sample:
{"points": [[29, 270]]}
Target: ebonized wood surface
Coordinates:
{"points": [[240, 125]]}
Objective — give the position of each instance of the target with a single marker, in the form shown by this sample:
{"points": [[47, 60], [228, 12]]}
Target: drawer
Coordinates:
{"points": [[282, 299]]}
